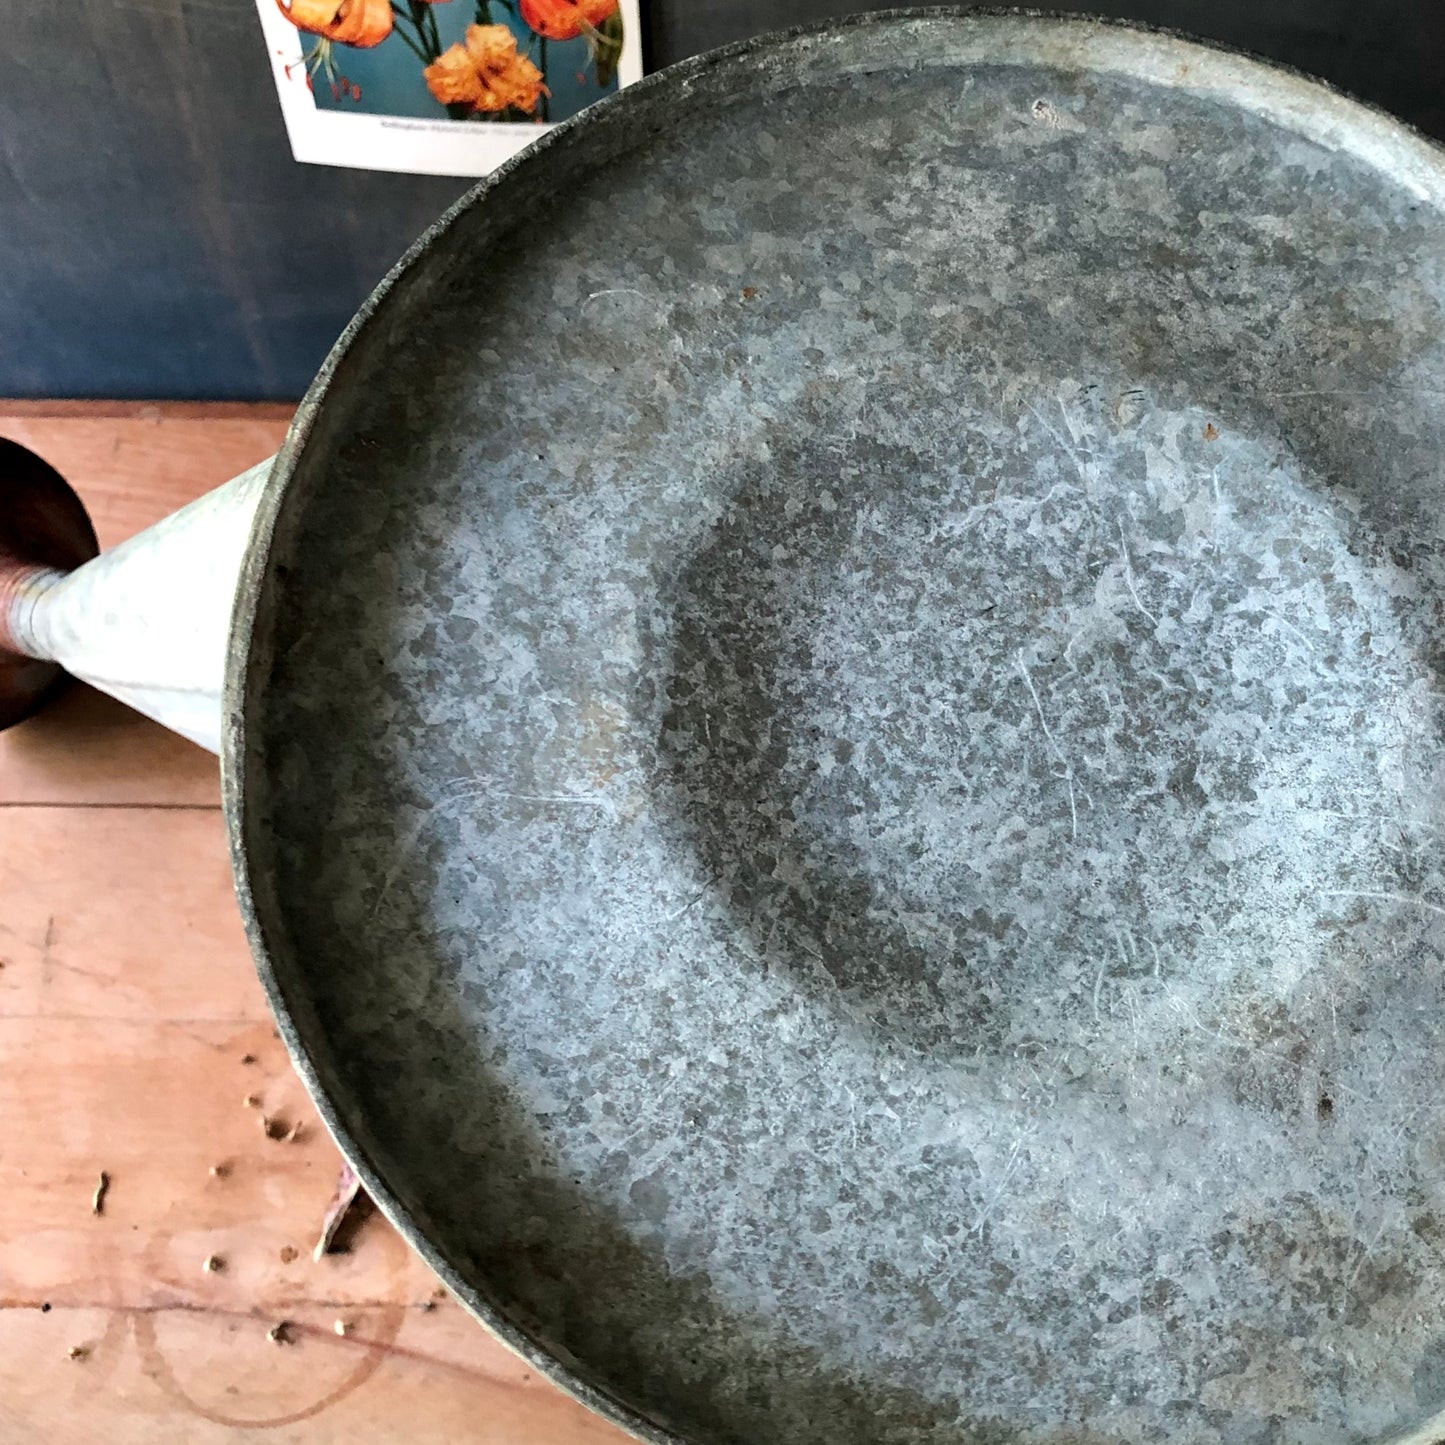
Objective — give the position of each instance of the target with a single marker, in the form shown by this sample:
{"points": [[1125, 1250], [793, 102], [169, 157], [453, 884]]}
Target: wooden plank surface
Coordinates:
{"points": [[132, 1034], [135, 462]]}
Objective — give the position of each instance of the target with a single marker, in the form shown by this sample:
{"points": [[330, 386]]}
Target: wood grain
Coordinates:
{"points": [[132, 1033], [88, 748], [135, 463]]}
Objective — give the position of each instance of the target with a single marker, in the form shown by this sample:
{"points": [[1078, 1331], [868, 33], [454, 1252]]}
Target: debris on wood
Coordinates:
{"points": [[348, 1190], [251, 1102], [342, 1327], [212, 1263], [97, 1200], [294, 1133], [280, 1333], [288, 1253], [78, 1352]]}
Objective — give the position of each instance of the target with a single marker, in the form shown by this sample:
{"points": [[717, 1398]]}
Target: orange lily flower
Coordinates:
{"points": [[362, 23], [487, 73], [566, 19]]}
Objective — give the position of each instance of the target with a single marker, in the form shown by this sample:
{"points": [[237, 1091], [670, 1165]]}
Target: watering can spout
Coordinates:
{"points": [[146, 622]]}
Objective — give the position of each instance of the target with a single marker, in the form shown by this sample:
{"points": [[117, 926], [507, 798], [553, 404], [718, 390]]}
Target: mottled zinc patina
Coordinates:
{"points": [[839, 772]]}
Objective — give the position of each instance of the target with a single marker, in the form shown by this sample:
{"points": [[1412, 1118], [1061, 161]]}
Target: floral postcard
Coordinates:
{"points": [[441, 87]]}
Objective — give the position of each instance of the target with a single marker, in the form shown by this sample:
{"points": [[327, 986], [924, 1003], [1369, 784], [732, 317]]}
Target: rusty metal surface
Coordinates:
{"points": [[835, 756]]}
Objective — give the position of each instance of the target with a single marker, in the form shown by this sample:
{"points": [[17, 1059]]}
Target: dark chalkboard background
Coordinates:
{"points": [[157, 240]]}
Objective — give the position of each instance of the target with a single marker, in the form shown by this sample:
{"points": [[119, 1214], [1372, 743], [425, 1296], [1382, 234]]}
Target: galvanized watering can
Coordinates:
{"points": [[833, 734]]}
